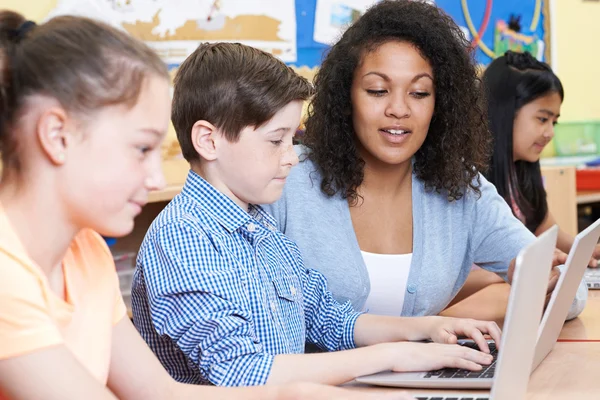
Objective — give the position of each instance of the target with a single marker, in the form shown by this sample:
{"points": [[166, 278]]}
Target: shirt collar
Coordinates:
{"points": [[230, 215], [10, 242]]}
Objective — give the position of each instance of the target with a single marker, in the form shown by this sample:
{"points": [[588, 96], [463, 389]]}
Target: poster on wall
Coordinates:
{"points": [[332, 17], [492, 26], [175, 28], [496, 26]]}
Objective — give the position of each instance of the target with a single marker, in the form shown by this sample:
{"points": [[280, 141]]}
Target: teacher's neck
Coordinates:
{"points": [[386, 179]]}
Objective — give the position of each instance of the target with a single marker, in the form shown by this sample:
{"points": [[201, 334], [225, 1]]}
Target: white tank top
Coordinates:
{"points": [[388, 274]]}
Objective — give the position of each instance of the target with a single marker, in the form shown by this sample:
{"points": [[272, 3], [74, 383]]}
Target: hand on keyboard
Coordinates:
{"points": [[412, 357], [447, 330]]}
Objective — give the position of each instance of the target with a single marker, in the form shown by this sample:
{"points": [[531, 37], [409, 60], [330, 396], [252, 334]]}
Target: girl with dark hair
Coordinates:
{"points": [[388, 200], [524, 100]]}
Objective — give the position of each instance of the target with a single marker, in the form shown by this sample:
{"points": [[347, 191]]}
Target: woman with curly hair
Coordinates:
{"points": [[388, 200]]}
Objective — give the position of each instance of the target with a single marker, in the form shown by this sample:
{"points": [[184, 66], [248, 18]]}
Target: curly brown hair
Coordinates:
{"points": [[458, 143]]}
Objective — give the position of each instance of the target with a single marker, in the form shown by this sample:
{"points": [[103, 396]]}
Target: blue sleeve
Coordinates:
{"points": [[497, 235], [329, 324], [194, 299]]}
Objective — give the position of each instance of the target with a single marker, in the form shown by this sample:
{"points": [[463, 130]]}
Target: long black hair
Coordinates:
{"points": [[512, 81]]}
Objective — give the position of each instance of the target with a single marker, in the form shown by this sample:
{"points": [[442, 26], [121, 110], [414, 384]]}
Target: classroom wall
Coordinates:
{"points": [[32, 9], [576, 56], [576, 31]]}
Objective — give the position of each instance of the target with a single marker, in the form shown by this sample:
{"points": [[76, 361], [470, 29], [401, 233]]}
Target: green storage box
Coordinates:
{"points": [[577, 138]]}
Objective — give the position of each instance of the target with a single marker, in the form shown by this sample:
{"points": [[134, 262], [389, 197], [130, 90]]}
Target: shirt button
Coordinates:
{"points": [[293, 290], [411, 288], [251, 227], [273, 306]]}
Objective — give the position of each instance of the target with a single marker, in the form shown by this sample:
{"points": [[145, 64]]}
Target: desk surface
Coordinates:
{"points": [[587, 325]]}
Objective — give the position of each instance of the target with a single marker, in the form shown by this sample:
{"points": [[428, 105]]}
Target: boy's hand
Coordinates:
{"points": [[412, 357], [313, 391], [448, 330]]}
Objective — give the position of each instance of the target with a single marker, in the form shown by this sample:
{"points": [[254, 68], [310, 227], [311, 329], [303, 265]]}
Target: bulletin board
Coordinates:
{"points": [[300, 31], [484, 22]]}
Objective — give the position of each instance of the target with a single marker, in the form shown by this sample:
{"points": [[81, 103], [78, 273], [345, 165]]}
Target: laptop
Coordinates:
{"points": [[554, 317], [524, 311], [592, 278], [565, 291]]}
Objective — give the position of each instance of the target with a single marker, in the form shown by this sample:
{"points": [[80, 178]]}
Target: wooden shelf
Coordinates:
{"points": [[165, 194], [588, 196]]}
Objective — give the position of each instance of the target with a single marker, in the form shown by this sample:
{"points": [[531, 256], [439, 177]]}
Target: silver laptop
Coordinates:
{"points": [[519, 335], [565, 291], [556, 312], [592, 278]]}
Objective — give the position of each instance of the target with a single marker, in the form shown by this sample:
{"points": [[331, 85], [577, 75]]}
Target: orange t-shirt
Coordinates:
{"points": [[32, 317]]}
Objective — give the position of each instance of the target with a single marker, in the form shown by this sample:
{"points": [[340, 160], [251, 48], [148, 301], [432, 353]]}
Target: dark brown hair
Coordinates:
{"points": [[232, 86], [457, 146], [82, 63]]}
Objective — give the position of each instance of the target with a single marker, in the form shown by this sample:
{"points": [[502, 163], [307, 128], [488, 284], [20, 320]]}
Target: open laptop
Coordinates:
{"points": [[565, 291], [524, 311], [592, 278], [554, 317]]}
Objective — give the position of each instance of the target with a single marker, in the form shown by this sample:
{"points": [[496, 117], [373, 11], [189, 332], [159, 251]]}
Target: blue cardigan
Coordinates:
{"points": [[448, 238]]}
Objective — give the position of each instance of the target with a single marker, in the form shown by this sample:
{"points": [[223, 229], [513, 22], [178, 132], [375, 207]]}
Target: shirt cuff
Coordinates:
{"points": [[251, 370], [348, 334]]}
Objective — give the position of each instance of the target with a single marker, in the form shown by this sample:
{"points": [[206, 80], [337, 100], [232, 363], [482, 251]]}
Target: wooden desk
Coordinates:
{"points": [[587, 325], [569, 372]]}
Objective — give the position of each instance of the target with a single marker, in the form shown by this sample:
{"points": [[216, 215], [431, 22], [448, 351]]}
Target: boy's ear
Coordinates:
{"points": [[204, 135]]}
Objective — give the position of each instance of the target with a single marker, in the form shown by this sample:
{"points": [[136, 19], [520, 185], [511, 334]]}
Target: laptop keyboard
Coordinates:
{"points": [[592, 278], [453, 398], [454, 373]]}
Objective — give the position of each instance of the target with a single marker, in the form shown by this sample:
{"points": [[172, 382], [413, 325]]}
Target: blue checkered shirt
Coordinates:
{"points": [[218, 292]]}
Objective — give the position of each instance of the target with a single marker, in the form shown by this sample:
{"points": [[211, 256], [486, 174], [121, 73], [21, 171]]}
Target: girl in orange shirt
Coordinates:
{"points": [[83, 111]]}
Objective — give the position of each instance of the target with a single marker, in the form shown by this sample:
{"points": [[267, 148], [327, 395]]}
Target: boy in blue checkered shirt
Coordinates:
{"points": [[223, 297]]}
